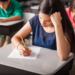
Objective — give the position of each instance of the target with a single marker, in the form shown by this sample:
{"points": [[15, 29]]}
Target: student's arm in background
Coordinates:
{"points": [[18, 15], [16, 39]]}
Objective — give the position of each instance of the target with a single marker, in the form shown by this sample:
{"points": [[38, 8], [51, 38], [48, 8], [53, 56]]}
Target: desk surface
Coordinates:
{"points": [[10, 22], [47, 62], [34, 7]]}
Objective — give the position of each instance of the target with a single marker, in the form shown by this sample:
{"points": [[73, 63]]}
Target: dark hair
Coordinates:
{"points": [[72, 6], [49, 7], [3, 0]]}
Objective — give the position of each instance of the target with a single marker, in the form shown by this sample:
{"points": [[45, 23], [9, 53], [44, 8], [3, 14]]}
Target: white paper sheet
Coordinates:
{"points": [[33, 55]]}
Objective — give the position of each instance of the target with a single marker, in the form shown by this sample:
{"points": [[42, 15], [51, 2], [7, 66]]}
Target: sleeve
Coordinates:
{"points": [[33, 22], [18, 10]]}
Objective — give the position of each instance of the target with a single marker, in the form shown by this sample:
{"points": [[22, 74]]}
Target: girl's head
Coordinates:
{"points": [[72, 9], [4, 4], [48, 7]]}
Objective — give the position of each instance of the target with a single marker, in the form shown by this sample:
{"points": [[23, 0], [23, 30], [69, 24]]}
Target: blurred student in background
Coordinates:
{"points": [[71, 13], [12, 10]]}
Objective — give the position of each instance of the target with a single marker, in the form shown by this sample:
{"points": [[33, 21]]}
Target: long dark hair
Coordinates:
{"points": [[72, 6], [49, 7]]}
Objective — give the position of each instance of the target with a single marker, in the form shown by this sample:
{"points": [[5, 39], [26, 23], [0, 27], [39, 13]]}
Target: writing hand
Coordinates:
{"points": [[23, 51]]}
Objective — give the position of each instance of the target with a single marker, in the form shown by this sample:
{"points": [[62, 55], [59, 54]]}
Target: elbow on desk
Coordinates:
{"points": [[63, 57]]}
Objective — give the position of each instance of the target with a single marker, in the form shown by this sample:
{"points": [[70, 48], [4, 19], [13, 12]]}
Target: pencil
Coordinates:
{"points": [[24, 43]]}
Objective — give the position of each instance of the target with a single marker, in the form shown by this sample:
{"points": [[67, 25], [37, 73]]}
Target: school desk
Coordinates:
{"points": [[7, 28], [46, 63]]}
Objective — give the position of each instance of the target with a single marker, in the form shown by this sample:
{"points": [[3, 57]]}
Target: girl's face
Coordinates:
{"points": [[73, 14], [45, 20], [4, 5]]}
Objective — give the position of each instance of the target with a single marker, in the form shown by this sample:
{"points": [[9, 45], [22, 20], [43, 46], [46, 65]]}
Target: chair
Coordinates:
{"points": [[26, 18]]}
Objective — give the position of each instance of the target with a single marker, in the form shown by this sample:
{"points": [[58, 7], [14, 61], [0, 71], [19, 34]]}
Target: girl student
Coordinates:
{"points": [[51, 29]]}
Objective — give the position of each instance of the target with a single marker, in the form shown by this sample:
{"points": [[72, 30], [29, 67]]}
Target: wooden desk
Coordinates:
{"points": [[7, 28], [46, 63]]}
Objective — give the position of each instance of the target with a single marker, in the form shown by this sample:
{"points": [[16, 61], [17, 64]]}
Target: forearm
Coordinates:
{"points": [[13, 18], [63, 48]]}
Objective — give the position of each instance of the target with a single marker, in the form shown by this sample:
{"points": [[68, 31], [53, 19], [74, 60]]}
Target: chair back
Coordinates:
{"points": [[27, 16]]}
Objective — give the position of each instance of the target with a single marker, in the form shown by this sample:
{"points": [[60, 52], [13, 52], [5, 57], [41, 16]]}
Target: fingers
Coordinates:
{"points": [[56, 13], [24, 52], [56, 18], [29, 50]]}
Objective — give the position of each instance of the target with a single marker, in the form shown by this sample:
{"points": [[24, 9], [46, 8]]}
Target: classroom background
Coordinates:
{"points": [[30, 8]]}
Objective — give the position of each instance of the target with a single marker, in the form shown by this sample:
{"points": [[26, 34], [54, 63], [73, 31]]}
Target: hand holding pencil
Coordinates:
{"points": [[23, 50]]}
